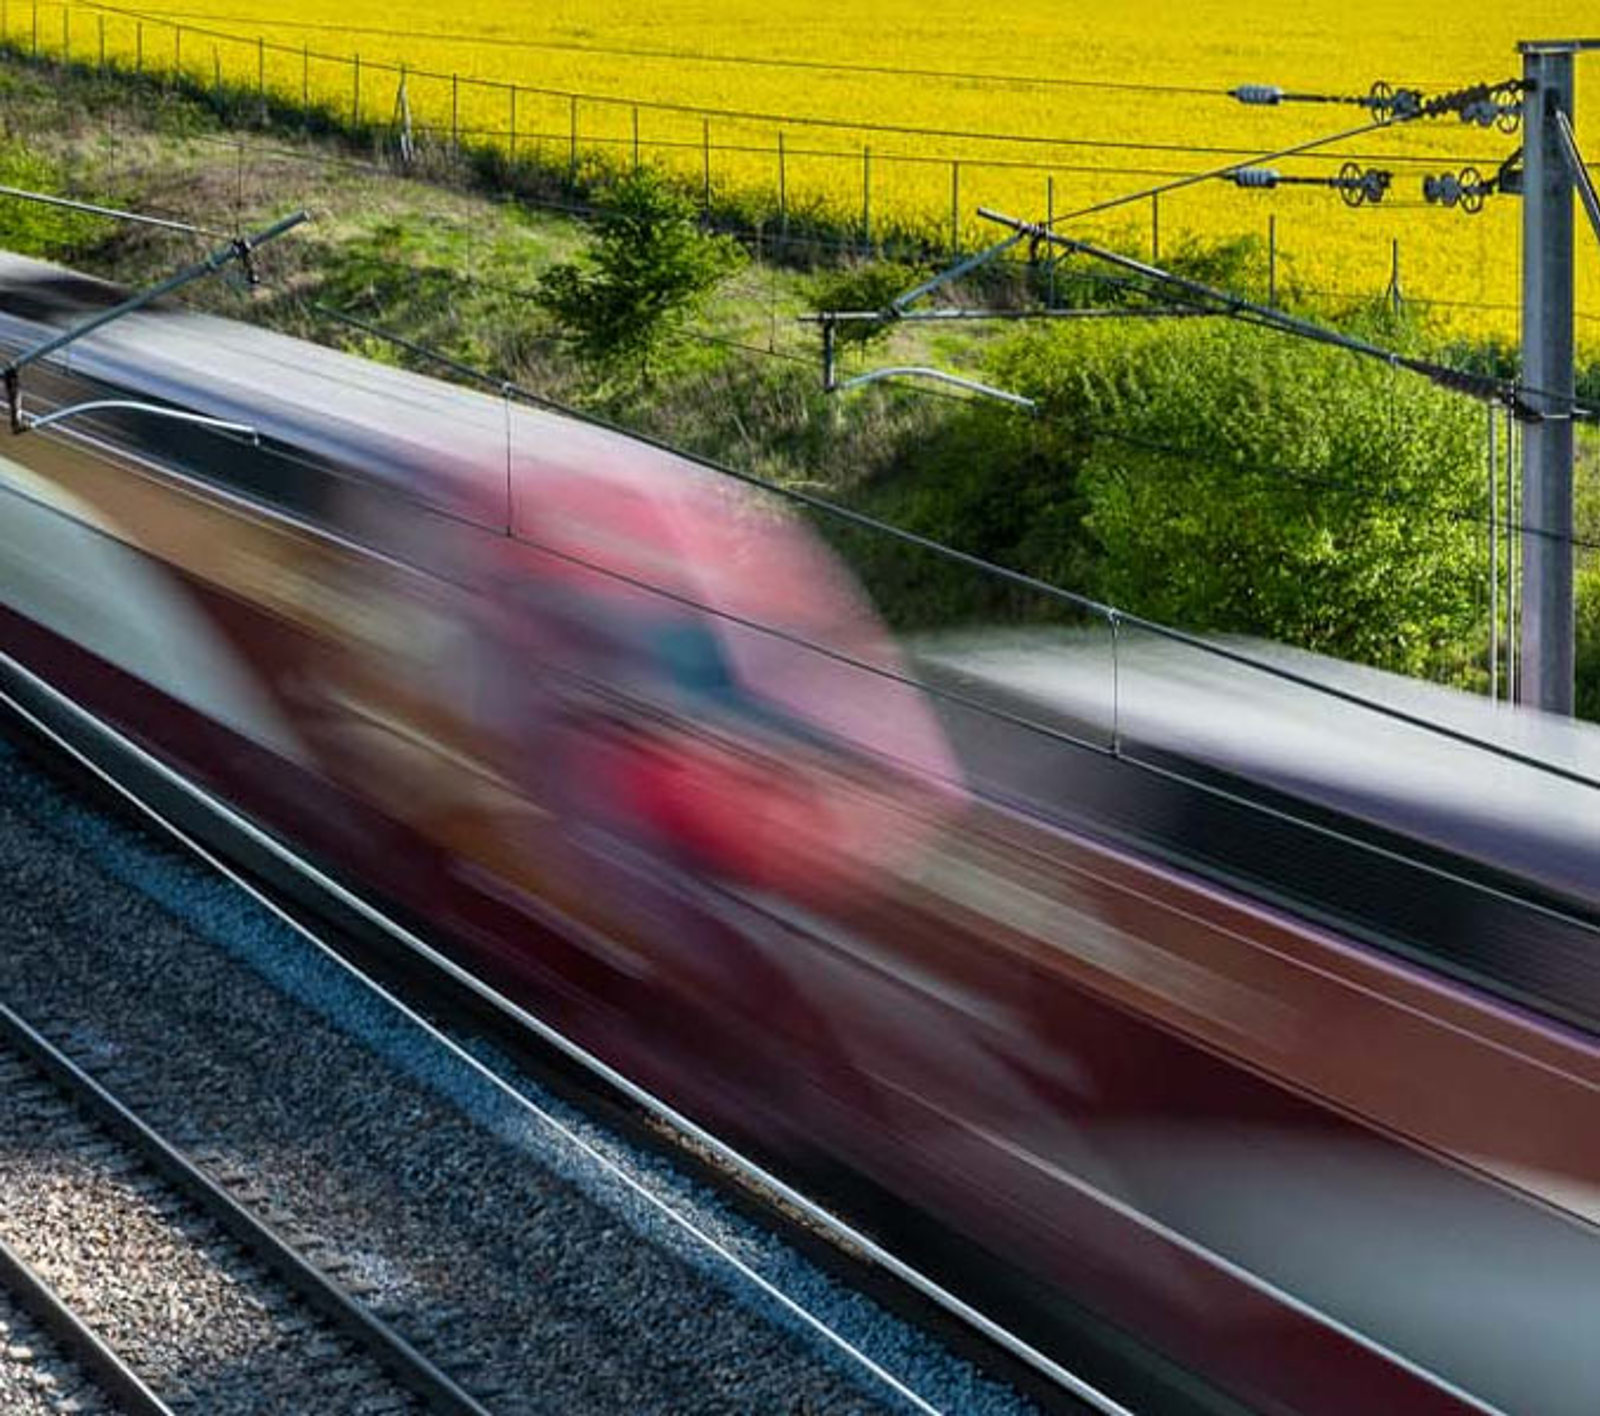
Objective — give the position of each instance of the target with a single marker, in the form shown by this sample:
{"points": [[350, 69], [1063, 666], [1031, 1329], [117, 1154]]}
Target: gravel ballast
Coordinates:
{"points": [[198, 1320], [507, 1250]]}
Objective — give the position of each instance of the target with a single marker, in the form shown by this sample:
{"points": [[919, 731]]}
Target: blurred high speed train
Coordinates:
{"points": [[1246, 1086]]}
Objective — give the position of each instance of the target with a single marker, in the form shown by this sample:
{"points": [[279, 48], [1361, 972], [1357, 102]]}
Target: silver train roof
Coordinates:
{"points": [[447, 444], [1172, 696]]}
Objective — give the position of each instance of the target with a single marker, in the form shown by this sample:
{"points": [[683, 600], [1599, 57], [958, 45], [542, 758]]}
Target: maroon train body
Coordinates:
{"points": [[634, 746]]}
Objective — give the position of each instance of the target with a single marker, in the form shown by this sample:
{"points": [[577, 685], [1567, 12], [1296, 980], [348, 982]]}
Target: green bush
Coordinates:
{"points": [[644, 275], [31, 228], [867, 285], [1237, 480], [1587, 594]]}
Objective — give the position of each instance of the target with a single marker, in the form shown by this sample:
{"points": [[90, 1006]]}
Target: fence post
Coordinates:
{"points": [[572, 141], [102, 44], [866, 195], [138, 47], [955, 207], [305, 77], [35, 29], [783, 189], [513, 147], [402, 105], [1272, 261], [177, 55], [216, 71], [355, 93], [1155, 227], [636, 138], [455, 114], [261, 76], [705, 166], [1395, 297], [1050, 224], [66, 34]]}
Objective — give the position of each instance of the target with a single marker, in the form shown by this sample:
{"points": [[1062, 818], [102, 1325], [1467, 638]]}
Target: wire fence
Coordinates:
{"points": [[848, 183]]}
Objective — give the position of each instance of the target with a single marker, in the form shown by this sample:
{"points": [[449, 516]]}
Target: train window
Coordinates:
{"points": [[276, 475]]}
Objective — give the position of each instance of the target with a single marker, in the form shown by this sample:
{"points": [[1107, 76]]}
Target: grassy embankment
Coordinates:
{"points": [[1322, 497]]}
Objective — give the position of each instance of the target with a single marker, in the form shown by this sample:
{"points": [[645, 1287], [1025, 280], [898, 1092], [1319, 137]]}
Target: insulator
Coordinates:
{"points": [[1467, 189], [1267, 94], [1256, 176], [1482, 111]]}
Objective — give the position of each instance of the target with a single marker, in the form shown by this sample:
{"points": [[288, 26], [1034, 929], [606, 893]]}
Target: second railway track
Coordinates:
{"points": [[172, 1291]]}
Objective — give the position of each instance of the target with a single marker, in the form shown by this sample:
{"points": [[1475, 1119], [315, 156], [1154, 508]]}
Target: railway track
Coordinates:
{"points": [[819, 1362], [41, 1375], [216, 1278]]}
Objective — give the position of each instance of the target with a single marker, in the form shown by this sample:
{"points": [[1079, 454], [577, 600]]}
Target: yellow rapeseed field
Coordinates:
{"points": [[919, 111]]}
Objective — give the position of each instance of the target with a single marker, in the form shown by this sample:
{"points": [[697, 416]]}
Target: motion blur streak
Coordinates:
{"points": [[1230, 1063]]}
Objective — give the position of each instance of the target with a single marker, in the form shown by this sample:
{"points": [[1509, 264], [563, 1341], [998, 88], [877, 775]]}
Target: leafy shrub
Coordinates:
{"points": [[1234, 480], [644, 275], [1587, 594], [31, 228], [868, 285]]}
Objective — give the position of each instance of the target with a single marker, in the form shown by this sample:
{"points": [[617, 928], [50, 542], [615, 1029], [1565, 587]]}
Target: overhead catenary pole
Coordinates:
{"points": [[1494, 559], [1549, 377]]}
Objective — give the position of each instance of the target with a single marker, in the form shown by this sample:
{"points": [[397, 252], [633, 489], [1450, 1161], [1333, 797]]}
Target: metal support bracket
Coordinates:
{"points": [[1579, 170], [922, 371], [31, 423]]}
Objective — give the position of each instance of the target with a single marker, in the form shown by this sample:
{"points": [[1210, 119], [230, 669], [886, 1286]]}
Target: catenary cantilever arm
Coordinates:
{"points": [[1579, 170], [236, 250]]}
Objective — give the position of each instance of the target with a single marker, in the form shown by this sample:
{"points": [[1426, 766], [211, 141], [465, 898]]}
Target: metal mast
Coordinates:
{"points": [[1552, 172], [1548, 378]]}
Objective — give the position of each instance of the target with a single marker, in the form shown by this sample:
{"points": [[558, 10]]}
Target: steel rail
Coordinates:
{"points": [[81, 1342], [841, 1231], [408, 1366]]}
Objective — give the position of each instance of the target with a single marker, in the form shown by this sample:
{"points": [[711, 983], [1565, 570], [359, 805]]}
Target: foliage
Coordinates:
{"points": [[866, 285], [1237, 481], [645, 274], [979, 479], [1587, 594], [30, 228]]}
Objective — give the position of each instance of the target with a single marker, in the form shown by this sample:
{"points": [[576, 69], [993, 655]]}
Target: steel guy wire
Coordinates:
{"points": [[1161, 189], [1239, 307]]}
